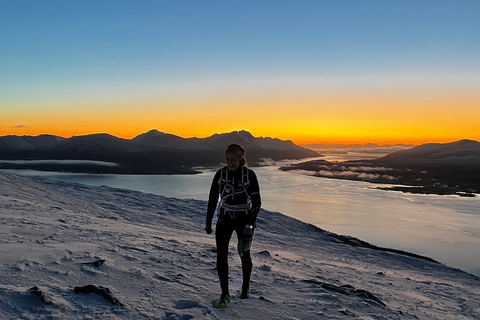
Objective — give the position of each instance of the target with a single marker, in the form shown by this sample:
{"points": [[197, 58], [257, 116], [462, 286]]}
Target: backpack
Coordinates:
{"points": [[232, 197]]}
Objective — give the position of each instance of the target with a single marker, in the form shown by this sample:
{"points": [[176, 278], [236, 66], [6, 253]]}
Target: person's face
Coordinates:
{"points": [[232, 160]]}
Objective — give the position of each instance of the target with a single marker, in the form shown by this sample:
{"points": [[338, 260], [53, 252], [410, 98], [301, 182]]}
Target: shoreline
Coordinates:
{"points": [[429, 190], [416, 179]]}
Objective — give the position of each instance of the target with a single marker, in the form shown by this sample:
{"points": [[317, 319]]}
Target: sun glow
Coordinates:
{"points": [[302, 109], [305, 119]]}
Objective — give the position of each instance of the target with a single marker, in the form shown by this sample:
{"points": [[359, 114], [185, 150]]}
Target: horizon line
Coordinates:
{"points": [[304, 143]]}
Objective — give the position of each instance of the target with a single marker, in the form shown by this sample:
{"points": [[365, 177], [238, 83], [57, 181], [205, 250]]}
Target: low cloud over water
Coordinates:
{"points": [[62, 162]]}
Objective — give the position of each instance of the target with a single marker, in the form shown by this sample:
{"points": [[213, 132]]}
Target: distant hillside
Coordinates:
{"points": [[433, 168], [153, 152], [463, 152]]}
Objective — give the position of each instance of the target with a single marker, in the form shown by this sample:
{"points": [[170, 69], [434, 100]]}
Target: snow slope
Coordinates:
{"points": [[159, 263]]}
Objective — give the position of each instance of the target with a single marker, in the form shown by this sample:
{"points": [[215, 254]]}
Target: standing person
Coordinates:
{"points": [[240, 203]]}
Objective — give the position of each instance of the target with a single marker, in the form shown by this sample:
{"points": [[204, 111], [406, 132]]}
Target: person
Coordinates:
{"points": [[240, 204]]}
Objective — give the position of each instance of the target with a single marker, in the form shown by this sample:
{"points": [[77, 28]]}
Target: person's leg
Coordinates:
{"points": [[246, 272], [223, 233], [244, 244]]}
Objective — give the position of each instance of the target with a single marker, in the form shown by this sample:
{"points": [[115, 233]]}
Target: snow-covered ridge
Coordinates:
{"points": [[159, 263]]}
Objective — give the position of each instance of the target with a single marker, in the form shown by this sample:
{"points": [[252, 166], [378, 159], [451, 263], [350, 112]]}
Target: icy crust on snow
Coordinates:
{"points": [[151, 255]]}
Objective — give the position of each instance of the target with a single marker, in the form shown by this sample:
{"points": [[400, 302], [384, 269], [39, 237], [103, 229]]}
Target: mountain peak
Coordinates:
{"points": [[154, 131], [151, 133], [245, 133], [466, 143], [242, 133], [157, 138]]}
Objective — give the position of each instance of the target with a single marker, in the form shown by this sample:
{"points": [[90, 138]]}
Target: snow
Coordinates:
{"points": [[160, 264]]}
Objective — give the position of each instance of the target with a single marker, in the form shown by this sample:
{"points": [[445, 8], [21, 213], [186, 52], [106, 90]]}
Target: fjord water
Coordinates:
{"points": [[445, 228]]}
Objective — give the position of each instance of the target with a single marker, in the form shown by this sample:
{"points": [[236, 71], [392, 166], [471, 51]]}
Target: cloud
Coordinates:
{"points": [[353, 175], [266, 162], [63, 162], [305, 172], [20, 126], [369, 169]]}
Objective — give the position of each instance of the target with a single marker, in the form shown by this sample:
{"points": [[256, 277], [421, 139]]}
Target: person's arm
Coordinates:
{"points": [[254, 191], [212, 201]]}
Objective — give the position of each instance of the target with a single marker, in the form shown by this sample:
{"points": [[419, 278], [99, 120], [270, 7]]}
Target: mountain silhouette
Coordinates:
{"points": [[463, 152], [155, 138], [153, 152]]}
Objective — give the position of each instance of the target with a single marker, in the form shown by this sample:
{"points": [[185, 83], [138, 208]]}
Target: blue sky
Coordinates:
{"points": [[74, 52], [182, 37]]}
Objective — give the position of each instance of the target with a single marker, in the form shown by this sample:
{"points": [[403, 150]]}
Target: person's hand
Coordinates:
{"points": [[208, 229], [248, 232]]}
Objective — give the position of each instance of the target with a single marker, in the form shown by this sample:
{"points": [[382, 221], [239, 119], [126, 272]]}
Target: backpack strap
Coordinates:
{"points": [[245, 178], [222, 182], [245, 183], [223, 174]]}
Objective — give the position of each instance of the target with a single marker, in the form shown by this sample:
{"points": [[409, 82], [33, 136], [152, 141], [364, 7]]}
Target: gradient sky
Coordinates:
{"points": [[310, 71]]}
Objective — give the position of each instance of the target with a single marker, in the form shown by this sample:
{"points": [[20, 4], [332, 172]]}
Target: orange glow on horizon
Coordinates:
{"points": [[319, 118], [297, 138]]}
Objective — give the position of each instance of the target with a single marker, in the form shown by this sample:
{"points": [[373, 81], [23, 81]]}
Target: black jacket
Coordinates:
{"points": [[252, 189]]}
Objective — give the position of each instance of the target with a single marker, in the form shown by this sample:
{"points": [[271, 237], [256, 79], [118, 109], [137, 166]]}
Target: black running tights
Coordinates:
{"points": [[223, 232]]}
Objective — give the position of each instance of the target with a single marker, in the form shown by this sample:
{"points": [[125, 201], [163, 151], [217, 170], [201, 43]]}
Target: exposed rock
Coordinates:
{"points": [[44, 297], [104, 292], [349, 290], [265, 253], [95, 263]]}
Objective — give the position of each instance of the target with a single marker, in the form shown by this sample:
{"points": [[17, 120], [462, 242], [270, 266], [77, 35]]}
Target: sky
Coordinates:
{"points": [[337, 71]]}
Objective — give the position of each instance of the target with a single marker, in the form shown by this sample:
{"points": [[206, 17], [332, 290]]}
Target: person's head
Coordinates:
{"points": [[235, 157]]}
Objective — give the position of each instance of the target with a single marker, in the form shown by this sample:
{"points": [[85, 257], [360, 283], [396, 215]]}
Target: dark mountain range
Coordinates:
{"points": [[153, 152], [17, 143], [461, 153]]}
